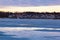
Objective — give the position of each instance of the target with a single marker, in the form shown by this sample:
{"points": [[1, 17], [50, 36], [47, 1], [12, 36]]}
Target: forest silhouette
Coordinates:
{"points": [[30, 15]]}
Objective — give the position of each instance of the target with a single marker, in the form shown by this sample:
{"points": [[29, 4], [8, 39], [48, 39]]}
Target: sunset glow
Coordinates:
{"points": [[34, 9]]}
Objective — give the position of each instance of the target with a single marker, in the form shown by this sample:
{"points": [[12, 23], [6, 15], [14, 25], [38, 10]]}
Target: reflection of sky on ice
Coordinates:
{"points": [[33, 35], [13, 32], [30, 23]]}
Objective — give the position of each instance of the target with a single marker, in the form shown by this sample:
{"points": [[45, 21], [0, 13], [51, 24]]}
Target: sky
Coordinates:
{"points": [[29, 2], [31, 9], [23, 4]]}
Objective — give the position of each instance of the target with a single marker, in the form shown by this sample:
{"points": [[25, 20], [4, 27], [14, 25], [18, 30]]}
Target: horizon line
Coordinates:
{"points": [[32, 9]]}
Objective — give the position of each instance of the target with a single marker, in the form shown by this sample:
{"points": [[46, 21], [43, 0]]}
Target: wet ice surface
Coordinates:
{"points": [[30, 23], [29, 35], [8, 34]]}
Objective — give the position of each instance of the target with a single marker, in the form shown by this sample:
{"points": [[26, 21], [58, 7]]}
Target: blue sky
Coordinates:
{"points": [[29, 2]]}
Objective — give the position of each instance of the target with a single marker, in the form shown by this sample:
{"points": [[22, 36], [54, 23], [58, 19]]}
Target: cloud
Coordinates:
{"points": [[29, 2]]}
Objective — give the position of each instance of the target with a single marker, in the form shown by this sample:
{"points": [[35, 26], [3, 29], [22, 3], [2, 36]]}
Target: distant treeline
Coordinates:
{"points": [[30, 15]]}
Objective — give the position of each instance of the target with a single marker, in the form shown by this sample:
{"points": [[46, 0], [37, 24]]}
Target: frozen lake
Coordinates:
{"points": [[29, 35], [49, 23], [27, 29]]}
